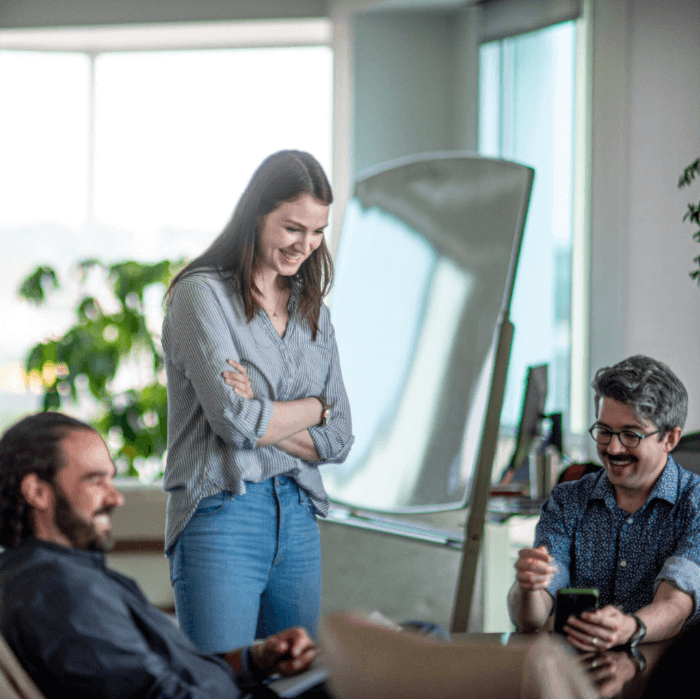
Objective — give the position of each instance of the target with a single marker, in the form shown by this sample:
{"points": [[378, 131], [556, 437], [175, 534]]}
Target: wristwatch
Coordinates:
{"points": [[637, 658], [639, 633]]}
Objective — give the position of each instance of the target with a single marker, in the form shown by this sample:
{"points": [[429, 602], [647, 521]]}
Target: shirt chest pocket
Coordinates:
{"points": [[315, 363]]}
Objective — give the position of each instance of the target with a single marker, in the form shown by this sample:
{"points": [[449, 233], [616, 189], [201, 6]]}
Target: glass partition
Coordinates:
{"points": [[425, 271]]}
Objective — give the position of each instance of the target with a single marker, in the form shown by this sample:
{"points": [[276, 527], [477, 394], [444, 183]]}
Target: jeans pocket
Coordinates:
{"points": [[307, 505], [211, 505]]}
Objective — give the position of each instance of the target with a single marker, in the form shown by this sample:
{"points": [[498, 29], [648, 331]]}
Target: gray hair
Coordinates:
{"points": [[648, 386]]}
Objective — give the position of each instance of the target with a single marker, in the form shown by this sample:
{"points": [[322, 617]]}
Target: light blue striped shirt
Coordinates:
{"points": [[212, 431]]}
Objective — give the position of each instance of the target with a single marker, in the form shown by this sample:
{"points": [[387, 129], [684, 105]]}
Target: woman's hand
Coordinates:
{"points": [[238, 380]]}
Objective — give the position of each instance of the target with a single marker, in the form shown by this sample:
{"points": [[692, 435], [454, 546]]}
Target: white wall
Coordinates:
{"points": [[663, 317], [424, 98], [645, 130]]}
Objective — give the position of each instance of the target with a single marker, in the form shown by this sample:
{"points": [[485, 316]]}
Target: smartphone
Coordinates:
{"points": [[573, 601]]}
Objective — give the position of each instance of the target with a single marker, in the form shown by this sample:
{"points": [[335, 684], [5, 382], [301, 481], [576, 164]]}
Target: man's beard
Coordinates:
{"points": [[80, 532]]}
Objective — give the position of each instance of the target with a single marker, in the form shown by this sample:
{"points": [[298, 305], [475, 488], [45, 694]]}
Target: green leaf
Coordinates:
{"points": [[689, 174], [52, 401], [88, 309], [97, 345], [34, 287]]}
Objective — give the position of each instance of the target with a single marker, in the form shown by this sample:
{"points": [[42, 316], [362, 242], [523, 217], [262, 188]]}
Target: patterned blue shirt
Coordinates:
{"points": [[596, 544]]}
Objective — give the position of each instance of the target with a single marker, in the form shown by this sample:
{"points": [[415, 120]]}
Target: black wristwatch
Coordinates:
{"points": [[637, 658], [639, 633]]}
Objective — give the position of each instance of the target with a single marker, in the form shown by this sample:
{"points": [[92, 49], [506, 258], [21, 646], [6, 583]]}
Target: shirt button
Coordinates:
{"points": [[629, 521], [623, 563]]}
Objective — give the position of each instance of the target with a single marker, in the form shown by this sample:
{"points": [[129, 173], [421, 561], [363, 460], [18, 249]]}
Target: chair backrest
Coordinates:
{"points": [[687, 452], [14, 681], [575, 471]]}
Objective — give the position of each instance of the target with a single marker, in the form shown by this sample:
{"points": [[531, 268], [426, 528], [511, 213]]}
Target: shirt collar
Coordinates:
{"points": [[295, 286], [665, 488]]}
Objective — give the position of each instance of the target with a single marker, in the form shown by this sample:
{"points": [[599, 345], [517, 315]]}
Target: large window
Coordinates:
{"points": [[136, 154], [527, 88]]}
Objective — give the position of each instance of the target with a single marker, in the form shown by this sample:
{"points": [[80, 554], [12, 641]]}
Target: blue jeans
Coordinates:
{"points": [[248, 566]]}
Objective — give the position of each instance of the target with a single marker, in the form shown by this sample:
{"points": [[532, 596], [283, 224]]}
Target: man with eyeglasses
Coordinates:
{"points": [[632, 530]]}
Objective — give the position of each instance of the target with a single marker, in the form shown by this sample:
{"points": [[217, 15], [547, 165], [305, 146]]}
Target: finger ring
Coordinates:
{"points": [[595, 641]]}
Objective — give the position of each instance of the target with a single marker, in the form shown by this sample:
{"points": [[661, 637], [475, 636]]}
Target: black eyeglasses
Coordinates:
{"points": [[628, 438]]}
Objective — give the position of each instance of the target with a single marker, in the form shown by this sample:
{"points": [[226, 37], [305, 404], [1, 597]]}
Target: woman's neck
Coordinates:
{"points": [[268, 284]]}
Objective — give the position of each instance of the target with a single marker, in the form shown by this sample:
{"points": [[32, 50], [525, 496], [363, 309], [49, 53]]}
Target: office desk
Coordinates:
{"points": [[616, 673]]}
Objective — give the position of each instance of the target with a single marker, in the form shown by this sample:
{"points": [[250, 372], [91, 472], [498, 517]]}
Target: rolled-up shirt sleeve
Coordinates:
{"points": [[552, 533], [334, 440], [682, 568], [198, 340]]}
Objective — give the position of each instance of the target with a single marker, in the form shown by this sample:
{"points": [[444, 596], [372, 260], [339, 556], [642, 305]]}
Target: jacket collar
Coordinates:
{"points": [[90, 557]]}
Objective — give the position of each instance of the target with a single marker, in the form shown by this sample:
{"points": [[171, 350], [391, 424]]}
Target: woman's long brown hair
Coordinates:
{"points": [[281, 177]]}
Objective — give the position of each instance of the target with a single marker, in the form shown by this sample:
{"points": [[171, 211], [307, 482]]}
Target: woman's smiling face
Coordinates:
{"points": [[290, 233]]}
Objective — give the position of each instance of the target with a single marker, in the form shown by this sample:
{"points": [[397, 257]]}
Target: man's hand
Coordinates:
{"points": [[529, 601], [534, 569], [287, 653], [238, 380], [601, 629], [610, 671]]}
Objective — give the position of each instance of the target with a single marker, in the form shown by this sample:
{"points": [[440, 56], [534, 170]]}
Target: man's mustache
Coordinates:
{"points": [[620, 458]]}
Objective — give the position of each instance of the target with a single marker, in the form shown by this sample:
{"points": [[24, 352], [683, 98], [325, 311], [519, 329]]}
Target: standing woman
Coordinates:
{"points": [[256, 403]]}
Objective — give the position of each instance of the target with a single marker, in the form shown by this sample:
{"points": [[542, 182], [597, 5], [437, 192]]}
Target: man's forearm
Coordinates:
{"points": [[665, 616], [529, 610], [241, 662]]}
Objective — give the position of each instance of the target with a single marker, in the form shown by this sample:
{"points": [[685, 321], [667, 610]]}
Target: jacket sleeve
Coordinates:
{"points": [[334, 440], [80, 642], [198, 339]]}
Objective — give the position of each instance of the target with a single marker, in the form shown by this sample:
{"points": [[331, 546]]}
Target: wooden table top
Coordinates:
{"points": [[616, 673]]}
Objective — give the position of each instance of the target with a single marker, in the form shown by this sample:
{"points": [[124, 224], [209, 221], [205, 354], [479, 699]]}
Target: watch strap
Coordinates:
{"points": [[639, 633], [638, 658]]}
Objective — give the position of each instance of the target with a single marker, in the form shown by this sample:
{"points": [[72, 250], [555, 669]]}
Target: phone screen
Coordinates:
{"points": [[573, 601]]}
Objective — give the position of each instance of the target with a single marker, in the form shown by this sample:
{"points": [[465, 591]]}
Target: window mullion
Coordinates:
{"points": [[90, 184]]}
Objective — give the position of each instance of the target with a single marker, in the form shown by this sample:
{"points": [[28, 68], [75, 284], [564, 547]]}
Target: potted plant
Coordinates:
{"points": [[110, 332]]}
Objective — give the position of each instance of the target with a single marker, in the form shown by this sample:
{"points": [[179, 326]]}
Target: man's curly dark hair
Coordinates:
{"points": [[29, 446]]}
